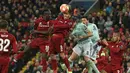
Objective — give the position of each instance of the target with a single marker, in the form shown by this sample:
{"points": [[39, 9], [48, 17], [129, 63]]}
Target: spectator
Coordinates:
{"points": [[109, 9], [108, 24], [101, 23]]}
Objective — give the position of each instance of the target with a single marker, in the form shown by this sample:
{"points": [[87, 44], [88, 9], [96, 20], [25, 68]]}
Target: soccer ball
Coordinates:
{"points": [[64, 8]]}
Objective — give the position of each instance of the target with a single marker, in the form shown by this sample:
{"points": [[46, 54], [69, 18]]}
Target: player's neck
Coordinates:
{"points": [[3, 30]]}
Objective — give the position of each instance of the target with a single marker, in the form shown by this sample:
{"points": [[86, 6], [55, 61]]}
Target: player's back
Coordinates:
{"points": [[7, 42]]}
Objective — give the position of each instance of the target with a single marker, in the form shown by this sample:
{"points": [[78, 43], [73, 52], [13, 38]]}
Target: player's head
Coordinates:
{"points": [[84, 20], [3, 24], [66, 15], [47, 15], [115, 36]]}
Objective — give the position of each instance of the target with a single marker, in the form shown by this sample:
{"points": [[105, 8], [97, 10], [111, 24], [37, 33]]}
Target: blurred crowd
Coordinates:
{"points": [[114, 15]]}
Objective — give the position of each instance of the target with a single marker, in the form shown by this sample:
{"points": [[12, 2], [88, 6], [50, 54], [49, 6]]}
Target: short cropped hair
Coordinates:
{"points": [[3, 24]]}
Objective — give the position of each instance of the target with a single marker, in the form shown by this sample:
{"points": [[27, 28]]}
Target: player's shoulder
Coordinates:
{"points": [[11, 35], [39, 19]]}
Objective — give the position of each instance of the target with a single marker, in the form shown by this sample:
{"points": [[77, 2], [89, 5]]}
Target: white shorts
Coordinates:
{"points": [[83, 49], [95, 50]]}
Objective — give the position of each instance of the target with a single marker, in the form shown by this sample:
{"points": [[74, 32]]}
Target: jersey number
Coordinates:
{"points": [[4, 44]]}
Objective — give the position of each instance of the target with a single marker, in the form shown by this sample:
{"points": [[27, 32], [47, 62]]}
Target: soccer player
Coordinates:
{"points": [[116, 48], [7, 44], [42, 40], [84, 44], [61, 31], [95, 39], [102, 59]]}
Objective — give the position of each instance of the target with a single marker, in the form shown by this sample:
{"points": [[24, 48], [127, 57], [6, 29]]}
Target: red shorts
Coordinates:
{"points": [[4, 64], [57, 44], [107, 68], [42, 44]]}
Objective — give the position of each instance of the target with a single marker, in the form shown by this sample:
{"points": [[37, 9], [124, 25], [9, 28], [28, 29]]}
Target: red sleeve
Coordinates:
{"points": [[14, 45], [123, 46], [101, 59]]}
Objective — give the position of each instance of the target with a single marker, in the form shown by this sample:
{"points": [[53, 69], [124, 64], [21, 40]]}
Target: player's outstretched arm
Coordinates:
{"points": [[89, 34]]}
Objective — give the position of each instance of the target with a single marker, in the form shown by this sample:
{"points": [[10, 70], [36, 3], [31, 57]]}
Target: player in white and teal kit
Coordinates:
{"points": [[95, 39], [84, 45], [80, 48]]}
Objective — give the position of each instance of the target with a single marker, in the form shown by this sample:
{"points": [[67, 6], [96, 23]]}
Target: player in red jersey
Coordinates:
{"points": [[42, 40], [102, 59], [7, 44], [116, 48], [61, 30]]}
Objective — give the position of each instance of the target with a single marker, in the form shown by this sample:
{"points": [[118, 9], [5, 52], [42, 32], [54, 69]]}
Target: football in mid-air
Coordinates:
{"points": [[64, 8]]}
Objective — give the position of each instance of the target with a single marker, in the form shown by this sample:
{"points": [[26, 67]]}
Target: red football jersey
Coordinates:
{"points": [[63, 26], [102, 59], [116, 53], [7, 43], [41, 25]]}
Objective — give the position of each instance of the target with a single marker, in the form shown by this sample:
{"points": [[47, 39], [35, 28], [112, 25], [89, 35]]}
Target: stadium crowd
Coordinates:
{"points": [[21, 14]]}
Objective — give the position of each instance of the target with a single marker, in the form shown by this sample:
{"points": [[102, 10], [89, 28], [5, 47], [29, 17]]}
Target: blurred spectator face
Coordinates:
{"points": [[108, 19], [117, 7], [20, 7], [126, 13], [84, 20], [23, 13], [110, 4], [16, 12], [118, 1], [45, 2], [98, 14], [54, 5], [66, 16], [37, 11], [20, 16], [100, 18], [27, 9], [34, 7], [37, 63], [26, 15]]}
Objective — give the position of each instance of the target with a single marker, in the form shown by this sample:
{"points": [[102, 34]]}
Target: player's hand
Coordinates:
{"points": [[95, 61], [105, 42]]}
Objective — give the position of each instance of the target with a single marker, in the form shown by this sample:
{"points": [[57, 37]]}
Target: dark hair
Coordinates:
{"points": [[3, 24]]}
